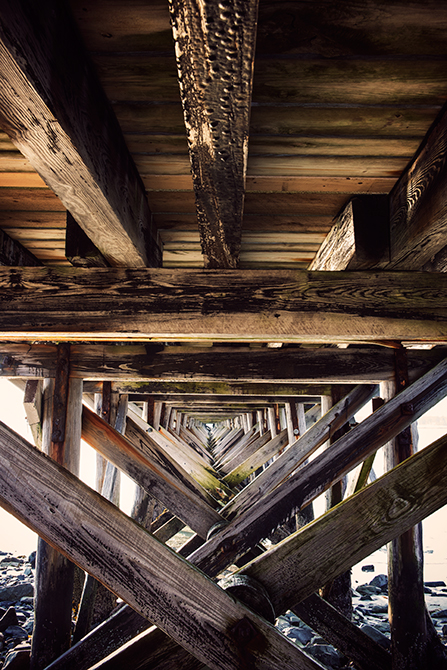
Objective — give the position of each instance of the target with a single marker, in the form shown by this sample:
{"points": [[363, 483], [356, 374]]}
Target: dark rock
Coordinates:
{"points": [[18, 658], [14, 593], [32, 559], [381, 581], [376, 635], [434, 585], [440, 614], [368, 568], [326, 654], [379, 609], [10, 560], [301, 635], [368, 589], [8, 619], [17, 632], [444, 630]]}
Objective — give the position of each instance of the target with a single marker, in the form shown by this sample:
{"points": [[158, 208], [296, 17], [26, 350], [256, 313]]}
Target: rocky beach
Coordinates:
{"points": [[369, 596]]}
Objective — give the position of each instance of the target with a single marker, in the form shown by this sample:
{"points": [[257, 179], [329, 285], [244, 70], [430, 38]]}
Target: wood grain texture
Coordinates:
{"points": [[418, 214], [14, 253], [214, 47], [154, 471], [360, 237], [80, 152], [155, 581], [302, 487], [355, 528], [225, 305]]}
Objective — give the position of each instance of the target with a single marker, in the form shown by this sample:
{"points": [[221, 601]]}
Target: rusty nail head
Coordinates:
{"points": [[407, 409], [243, 631]]}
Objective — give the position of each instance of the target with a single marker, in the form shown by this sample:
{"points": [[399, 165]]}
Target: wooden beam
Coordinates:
{"points": [[360, 237], [214, 46], [290, 371], [14, 253], [376, 514], [299, 451], [354, 529], [53, 108], [154, 471], [159, 585], [418, 210], [301, 488], [79, 249], [224, 305]]}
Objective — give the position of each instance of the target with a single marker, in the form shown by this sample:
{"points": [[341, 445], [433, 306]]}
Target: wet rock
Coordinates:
{"points": [[14, 593], [368, 568], [326, 655], [8, 619], [32, 559], [18, 658], [381, 581]]}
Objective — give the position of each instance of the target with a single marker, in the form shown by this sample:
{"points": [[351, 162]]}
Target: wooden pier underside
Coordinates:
{"points": [[223, 232]]}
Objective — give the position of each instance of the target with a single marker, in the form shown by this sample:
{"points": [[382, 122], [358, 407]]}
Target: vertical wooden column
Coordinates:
{"points": [[272, 424], [61, 439], [260, 421], [338, 592], [97, 601], [405, 558]]}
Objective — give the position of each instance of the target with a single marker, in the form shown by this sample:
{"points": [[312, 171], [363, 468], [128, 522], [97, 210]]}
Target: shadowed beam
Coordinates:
{"points": [[149, 576], [53, 108], [214, 46]]}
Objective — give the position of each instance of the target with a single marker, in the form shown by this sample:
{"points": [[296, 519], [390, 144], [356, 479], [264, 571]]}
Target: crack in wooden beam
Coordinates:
{"points": [[214, 46]]}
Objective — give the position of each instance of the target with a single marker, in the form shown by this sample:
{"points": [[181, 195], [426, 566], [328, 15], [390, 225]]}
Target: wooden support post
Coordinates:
{"points": [[305, 485], [32, 402], [405, 561], [61, 438], [97, 601], [272, 422], [338, 591], [219, 630]]}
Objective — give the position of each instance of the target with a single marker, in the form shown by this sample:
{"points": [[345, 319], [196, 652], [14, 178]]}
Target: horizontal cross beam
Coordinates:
{"points": [[226, 305]]}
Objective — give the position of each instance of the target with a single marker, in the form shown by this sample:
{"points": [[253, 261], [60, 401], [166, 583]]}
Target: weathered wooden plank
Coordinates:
{"points": [[392, 503], [54, 573], [359, 238], [155, 581], [290, 371], [406, 600], [225, 305], [256, 460], [32, 402], [154, 471], [202, 476], [83, 156], [300, 489], [418, 213], [214, 48], [355, 528], [299, 451]]}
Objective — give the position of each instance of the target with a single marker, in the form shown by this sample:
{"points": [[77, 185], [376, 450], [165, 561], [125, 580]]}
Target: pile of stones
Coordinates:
{"points": [[370, 612], [16, 609]]}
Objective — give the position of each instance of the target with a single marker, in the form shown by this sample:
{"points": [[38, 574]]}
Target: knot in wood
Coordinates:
{"points": [[407, 409], [243, 631]]}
